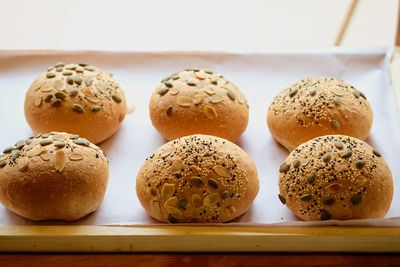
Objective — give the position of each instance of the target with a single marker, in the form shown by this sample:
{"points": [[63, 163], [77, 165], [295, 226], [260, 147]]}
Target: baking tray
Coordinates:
{"points": [[251, 232]]}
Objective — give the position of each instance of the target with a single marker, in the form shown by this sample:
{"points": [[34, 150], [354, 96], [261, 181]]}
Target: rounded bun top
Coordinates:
{"points": [[318, 106], [197, 178], [336, 177], [52, 150], [196, 101], [75, 98]]}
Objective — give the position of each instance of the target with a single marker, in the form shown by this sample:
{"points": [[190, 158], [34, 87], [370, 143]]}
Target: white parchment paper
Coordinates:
{"points": [[260, 77]]}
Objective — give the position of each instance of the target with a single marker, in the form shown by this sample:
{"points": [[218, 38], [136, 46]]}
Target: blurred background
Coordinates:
{"points": [[248, 25]]}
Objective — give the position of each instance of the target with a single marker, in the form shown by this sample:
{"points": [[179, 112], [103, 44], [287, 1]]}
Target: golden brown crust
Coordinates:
{"points": [[78, 99], [198, 102], [197, 178], [336, 177], [53, 176], [318, 106]]}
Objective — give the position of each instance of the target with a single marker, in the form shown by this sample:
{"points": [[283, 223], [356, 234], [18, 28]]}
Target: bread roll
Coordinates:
{"points": [[197, 178], [53, 176], [198, 102], [318, 106], [79, 99], [336, 177]]}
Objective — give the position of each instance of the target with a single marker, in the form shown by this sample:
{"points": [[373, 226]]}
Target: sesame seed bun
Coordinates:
{"points": [[197, 178], [318, 106], [53, 176], [336, 177], [198, 102], [78, 99]]}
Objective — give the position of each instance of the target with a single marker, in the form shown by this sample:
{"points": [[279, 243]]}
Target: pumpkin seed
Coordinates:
{"points": [[37, 101], [306, 197], [176, 166], [282, 199], [362, 95], [59, 85], [60, 95], [48, 98], [225, 194], [231, 95], [23, 163], [76, 156], [162, 91], [155, 205], [356, 199], [241, 100], [284, 168], [67, 73], [77, 108], [70, 80], [172, 201], [329, 201], [197, 99], [20, 144], [8, 149], [95, 108], [90, 68], [56, 103], [196, 181], [356, 93], [296, 163], [339, 145], [59, 160], [312, 90], [210, 199], [212, 183], [337, 100], [326, 158], [3, 163], [325, 215], [74, 92], [81, 142], [210, 112], [216, 99], [360, 163], [45, 142], [311, 177], [88, 81], [168, 84], [50, 75], [196, 201], [293, 92], [59, 64], [117, 98], [221, 170], [191, 82], [347, 154], [376, 153], [166, 152], [15, 154], [172, 219], [59, 144], [167, 190], [182, 202], [184, 101], [169, 111], [335, 124]]}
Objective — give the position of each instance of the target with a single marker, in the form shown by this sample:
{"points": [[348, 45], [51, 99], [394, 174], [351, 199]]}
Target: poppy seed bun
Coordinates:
{"points": [[318, 106], [78, 99], [198, 102], [53, 176], [336, 177], [197, 178]]}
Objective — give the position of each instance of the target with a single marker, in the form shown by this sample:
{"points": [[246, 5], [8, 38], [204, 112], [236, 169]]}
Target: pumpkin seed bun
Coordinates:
{"points": [[75, 98], [53, 176], [198, 102], [336, 177], [318, 106], [197, 178]]}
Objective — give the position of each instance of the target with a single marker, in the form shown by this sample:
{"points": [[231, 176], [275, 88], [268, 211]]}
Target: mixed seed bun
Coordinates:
{"points": [[336, 177], [76, 98], [53, 176], [197, 101], [197, 178], [318, 106]]}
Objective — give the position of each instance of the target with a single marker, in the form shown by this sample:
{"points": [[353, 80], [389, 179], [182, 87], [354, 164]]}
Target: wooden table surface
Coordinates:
{"points": [[249, 25]]}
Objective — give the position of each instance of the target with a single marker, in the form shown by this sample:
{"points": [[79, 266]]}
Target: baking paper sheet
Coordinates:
{"points": [[260, 77]]}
